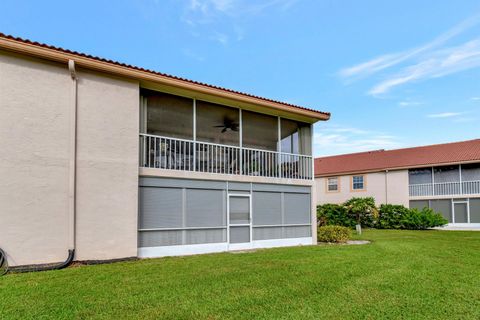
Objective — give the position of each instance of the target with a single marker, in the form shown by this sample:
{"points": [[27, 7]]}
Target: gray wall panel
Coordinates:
{"points": [[443, 207], [297, 208], [297, 232], [206, 236], [474, 210], [182, 183], [238, 186], [280, 188], [160, 208], [267, 208], [267, 233], [418, 204], [159, 238], [204, 208]]}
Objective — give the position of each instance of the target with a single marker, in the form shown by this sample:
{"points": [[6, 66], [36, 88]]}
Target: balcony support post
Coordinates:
{"points": [[460, 178], [240, 118], [433, 182], [194, 134]]}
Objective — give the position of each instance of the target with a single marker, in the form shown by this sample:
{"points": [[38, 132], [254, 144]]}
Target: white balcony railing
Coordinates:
{"points": [[187, 155], [444, 189]]}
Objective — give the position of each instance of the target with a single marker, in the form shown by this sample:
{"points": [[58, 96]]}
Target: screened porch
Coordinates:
{"points": [[178, 133]]}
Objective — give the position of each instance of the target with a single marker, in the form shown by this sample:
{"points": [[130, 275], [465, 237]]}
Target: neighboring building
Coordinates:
{"points": [[113, 161], [444, 177]]}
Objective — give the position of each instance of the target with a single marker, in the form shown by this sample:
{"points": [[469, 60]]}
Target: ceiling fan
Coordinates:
{"points": [[228, 124]]}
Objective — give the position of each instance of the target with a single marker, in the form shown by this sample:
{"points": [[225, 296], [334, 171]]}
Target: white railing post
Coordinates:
{"points": [[194, 135]]}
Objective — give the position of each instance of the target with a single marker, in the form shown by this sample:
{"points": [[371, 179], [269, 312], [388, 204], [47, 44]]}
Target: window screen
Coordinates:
{"points": [[217, 124], [239, 210], [471, 172], [169, 115], [446, 174], [160, 207], [260, 131], [296, 137], [420, 176], [418, 204]]}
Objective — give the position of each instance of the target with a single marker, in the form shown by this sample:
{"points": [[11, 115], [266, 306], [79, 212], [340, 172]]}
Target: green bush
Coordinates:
{"points": [[388, 216], [334, 234], [334, 214], [422, 219], [363, 210]]}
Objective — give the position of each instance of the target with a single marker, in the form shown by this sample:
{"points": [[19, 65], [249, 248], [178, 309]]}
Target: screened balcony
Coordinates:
{"points": [[444, 181], [192, 135]]}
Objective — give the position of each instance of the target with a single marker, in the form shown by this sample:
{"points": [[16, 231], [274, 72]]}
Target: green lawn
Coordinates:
{"points": [[401, 275]]}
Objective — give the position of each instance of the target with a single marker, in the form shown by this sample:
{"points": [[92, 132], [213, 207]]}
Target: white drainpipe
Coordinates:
{"points": [[72, 157]]}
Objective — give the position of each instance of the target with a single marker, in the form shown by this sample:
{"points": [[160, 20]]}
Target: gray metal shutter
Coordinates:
{"points": [[297, 232], [266, 233], [444, 207], [267, 208], [159, 238], [418, 204], [204, 208], [206, 236], [474, 210], [297, 208], [160, 208]]}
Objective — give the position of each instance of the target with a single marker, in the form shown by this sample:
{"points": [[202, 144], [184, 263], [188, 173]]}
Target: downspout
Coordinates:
{"points": [[73, 160], [71, 188], [386, 186]]}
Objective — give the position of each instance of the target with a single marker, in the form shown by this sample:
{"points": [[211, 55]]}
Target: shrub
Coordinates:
{"points": [[334, 214], [422, 219], [333, 234], [390, 216], [363, 209]]}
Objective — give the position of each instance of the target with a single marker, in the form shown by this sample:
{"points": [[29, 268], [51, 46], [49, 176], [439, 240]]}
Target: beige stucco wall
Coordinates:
{"points": [[34, 127], [35, 100], [107, 167], [392, 190]]}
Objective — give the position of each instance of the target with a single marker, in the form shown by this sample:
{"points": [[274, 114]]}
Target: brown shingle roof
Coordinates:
{"points": [[59, 49], [455, 152]]}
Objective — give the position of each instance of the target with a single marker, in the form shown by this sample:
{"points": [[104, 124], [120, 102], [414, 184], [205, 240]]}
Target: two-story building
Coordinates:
{"points": [[444, 177], [103, 160]]}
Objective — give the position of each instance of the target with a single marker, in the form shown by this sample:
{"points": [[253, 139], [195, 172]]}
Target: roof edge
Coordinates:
{"points": [[20, 45], [383, 169]]}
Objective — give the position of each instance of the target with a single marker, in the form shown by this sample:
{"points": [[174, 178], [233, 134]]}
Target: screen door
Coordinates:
{"points": [[239, 218]]}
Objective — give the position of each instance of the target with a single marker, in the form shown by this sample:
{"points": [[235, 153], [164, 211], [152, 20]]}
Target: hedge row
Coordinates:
{"points": [[387, 216]]}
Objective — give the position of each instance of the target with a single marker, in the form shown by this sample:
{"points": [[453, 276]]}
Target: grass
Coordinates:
{"points": [[400, 275]]}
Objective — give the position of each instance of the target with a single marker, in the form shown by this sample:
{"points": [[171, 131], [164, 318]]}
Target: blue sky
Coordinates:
{"points": [[392, 73]]}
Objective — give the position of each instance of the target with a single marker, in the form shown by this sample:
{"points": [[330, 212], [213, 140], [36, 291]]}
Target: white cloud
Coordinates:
{"points": [[430, 60], [445, 115], [434, 65], [475, 98], [333, 139], [392, 59], [409, 103]]}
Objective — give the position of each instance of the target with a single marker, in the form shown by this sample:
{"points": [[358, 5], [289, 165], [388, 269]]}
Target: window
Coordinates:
{"points": [[332, 184], [358, 183]]}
